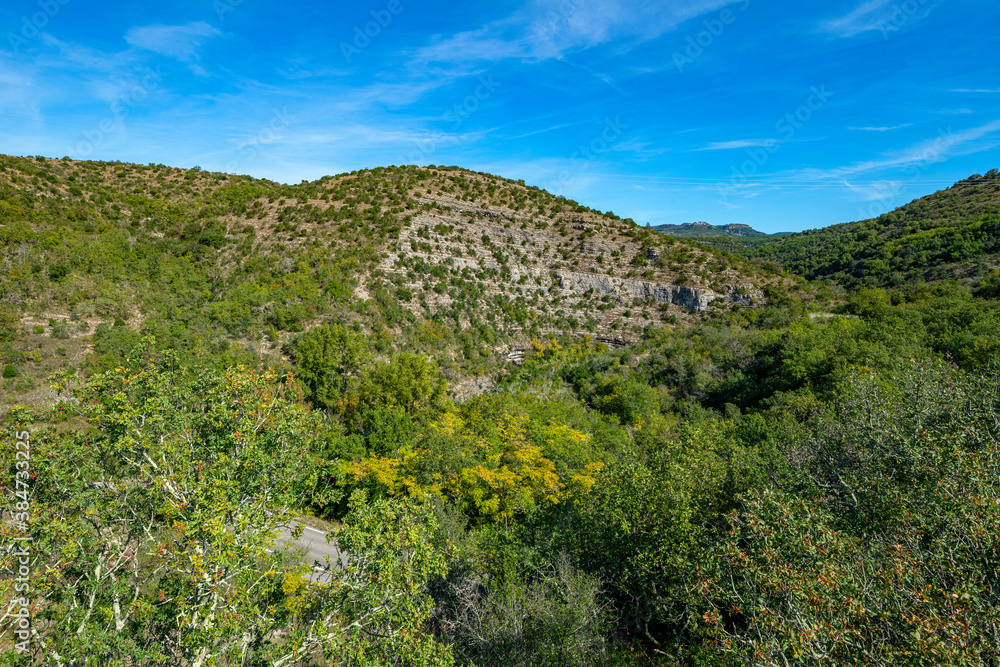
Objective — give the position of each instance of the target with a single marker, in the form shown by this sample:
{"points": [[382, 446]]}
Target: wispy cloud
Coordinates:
{"points": [[947, 144], [876, 191], [181, 42], [639, 149], [739, 143], [540, 131], [297, 72], [884, 16], [551, 29], [866, 16], [881, 128], [987, 91]]}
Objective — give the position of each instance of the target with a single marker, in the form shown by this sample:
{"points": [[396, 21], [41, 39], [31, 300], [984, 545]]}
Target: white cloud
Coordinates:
{"points": [[988, 91], [881, 128], [181, 42], [885, 16], [866, 16], [639, 149], [947, 144], [878, 190], [13, 74], [739, 143], [70, 56], [551, 29], [297, 72]]}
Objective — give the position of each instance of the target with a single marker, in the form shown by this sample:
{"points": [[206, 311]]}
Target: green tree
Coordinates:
{"points": [[328, 359], [381, 598], [408, 381], [154, 530]]}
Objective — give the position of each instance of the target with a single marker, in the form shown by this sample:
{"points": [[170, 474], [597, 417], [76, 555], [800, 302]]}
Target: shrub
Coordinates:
{"points": [[60, 330], [58, 272], [8, 324], [9, 371], [893, 552], [9, 354], [551, 615]]}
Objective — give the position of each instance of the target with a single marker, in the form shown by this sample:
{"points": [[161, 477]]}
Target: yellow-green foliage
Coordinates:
{"points": [[495, 466]]}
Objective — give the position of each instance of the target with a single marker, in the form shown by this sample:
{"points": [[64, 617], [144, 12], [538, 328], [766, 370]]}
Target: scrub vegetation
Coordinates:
{"points": [[543, 435]]}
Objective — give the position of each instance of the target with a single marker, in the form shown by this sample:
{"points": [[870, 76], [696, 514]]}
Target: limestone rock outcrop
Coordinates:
{"points": [[692, 298]]}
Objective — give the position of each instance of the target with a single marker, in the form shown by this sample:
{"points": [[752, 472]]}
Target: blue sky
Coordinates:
{"points": [[781, 115]]}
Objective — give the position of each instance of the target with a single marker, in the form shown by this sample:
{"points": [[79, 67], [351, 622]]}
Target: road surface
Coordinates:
{"points": [[315, 550]]}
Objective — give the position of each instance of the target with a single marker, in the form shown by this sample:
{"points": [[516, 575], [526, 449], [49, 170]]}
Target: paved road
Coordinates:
{"points": [[315, 551]]}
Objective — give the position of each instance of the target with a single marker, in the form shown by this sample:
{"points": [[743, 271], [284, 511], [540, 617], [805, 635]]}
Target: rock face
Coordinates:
{"points": [[692, 298], [480, 251]]}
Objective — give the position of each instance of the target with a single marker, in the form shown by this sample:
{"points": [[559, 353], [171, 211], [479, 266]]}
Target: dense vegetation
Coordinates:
{"points": [[226, 269], [764, 485], [954, 233]]}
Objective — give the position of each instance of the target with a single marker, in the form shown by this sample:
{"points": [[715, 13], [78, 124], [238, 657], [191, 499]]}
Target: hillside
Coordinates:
{"points": [[692, 230], [231, 357], [466, 267], [953, 233]]}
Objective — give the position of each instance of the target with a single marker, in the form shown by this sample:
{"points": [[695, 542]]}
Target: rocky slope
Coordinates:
{"points": [[464, 266]]}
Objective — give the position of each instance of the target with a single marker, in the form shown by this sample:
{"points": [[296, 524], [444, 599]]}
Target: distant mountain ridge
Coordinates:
{"points": [[951, 234], [692, 230]]}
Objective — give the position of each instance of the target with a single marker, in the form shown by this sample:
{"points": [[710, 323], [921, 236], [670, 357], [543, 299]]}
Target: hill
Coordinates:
{"points": [[590, 506], [951, 234], [691, 230], [463, 266]]}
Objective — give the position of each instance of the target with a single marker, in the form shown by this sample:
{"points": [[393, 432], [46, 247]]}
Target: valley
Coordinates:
{"points": [[531, 430]]}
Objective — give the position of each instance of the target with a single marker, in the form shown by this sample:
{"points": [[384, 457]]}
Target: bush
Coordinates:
{"points": [[9, 354], [60, 330], [892, 554], [58, 273], [9, 371], [8, 324], [551, 615]]}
